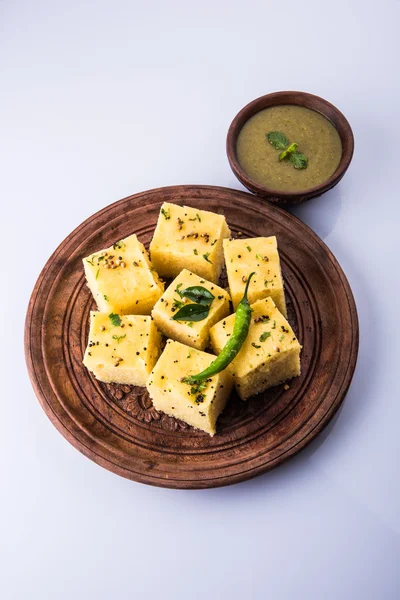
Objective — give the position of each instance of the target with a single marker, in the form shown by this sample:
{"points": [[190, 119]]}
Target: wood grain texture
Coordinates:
{"points": [[116, 425], [300, 99]]}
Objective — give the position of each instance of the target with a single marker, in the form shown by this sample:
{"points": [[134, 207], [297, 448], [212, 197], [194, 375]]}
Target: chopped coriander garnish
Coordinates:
{"points": [[267, 281], [195, 251], [119, 245], [274, 325], [264, 336], [166, 213], [255, 345], [197, 390], [115, 319], [177, 303], [97, 274], [282, 336], [105, 298], [198, 387], [197, 217], [90, 261], [177, 289], [205, 256], [118, 337], [214, 242], [248, 248]]}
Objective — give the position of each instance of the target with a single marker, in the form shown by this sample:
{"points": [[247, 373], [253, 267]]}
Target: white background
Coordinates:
{"points": [[99, 100]]}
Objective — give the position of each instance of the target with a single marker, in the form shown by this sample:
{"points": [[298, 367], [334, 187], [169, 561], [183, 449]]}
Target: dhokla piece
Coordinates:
{"points": [[122, 349], [122, 279], [198, 407], [192, 333], [188, 238], [242, 257], [270, 353]]}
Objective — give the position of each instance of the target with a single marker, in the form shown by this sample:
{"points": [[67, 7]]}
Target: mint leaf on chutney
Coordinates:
{"points": [[280, 142], [298, 160], [290, 150]]}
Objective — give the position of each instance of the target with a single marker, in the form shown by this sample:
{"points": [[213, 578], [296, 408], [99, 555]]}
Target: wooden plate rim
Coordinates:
{"points": [[79, 438]]}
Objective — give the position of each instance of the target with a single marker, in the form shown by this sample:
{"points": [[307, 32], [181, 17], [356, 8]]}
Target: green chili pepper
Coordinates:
{"points": [[232, 347]]}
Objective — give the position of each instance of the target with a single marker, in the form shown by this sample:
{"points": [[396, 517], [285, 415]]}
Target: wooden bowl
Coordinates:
{"points": [[300, 99]]}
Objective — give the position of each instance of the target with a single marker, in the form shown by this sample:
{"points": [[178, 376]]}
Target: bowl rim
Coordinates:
{"points": [[327, 109]]}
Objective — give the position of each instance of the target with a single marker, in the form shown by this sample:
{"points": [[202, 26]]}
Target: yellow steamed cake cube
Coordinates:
{"points": [[122, 279], [242, 257], [188, 238], [270, 353], [122, 349], [192, 333], [172, 396]]}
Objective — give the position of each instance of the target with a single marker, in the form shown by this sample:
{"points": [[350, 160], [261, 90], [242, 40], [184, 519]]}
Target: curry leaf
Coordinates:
{"points": [[198, 294], [192, 312]]}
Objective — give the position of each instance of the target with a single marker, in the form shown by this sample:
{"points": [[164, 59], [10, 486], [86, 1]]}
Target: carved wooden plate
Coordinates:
{"points": [[117, 426]]}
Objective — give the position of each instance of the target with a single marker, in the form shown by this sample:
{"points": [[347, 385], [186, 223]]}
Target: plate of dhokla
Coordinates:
{"points": [[191, 336]]}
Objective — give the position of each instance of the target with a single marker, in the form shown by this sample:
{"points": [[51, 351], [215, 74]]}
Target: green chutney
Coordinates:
{"points": [[315, 135]]}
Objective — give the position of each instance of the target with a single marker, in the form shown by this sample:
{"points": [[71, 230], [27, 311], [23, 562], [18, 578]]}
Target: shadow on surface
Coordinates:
{"points": [[321, 214], [279, 476], [356, 407]]}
